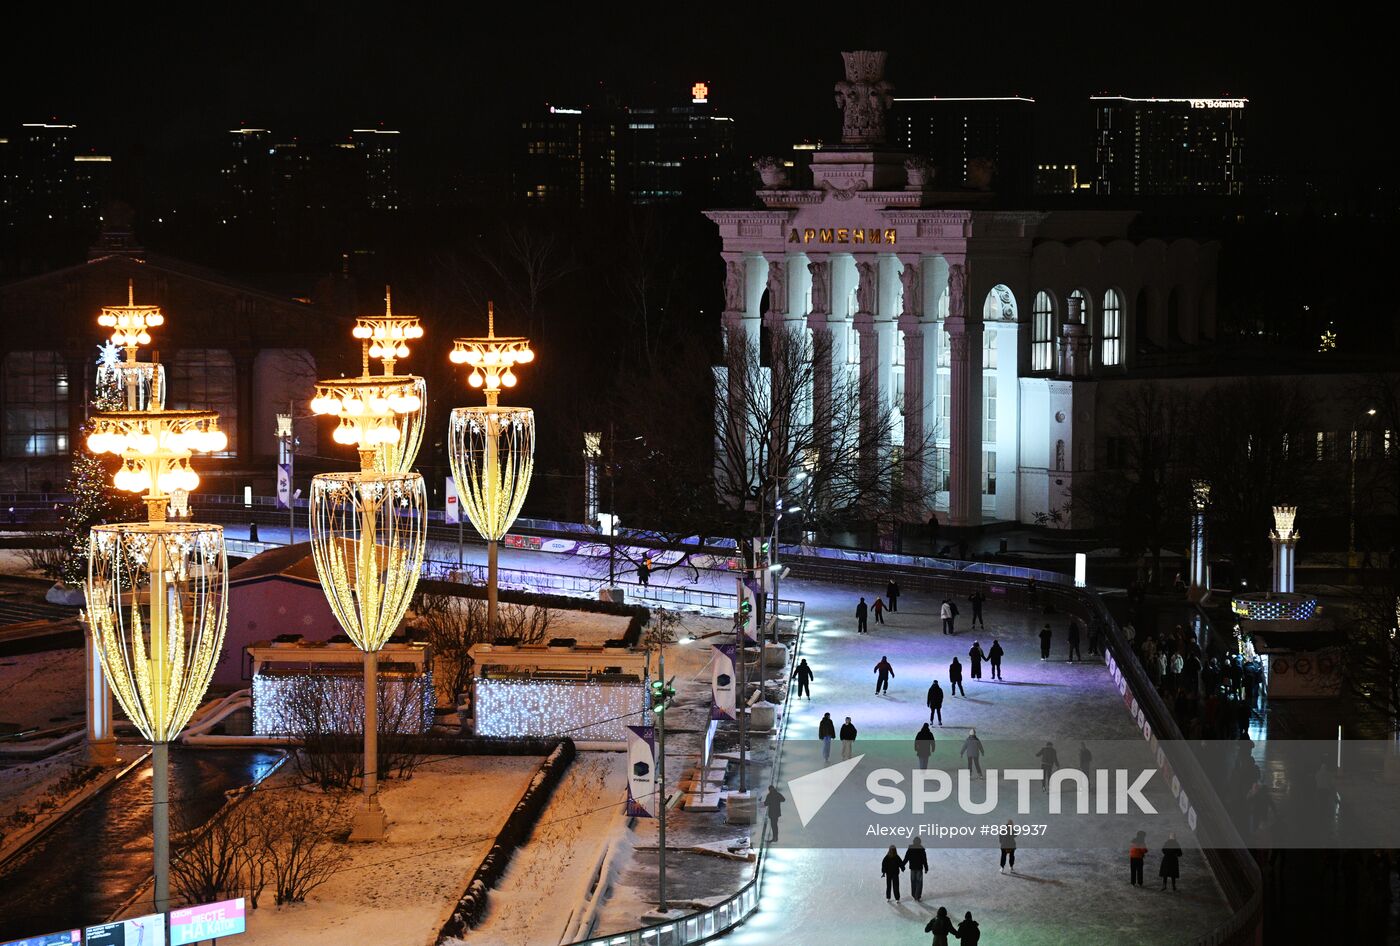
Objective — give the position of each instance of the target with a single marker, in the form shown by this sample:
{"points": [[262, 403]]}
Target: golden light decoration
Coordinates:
{"points": [[155, 446], [155, 600], [491, 358], [130, 323], [1284, 517], [492, 448], [382, 415], [368, 535]]}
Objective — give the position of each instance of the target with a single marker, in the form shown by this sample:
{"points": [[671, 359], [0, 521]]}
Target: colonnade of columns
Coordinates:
{"points": [[878, 295]]}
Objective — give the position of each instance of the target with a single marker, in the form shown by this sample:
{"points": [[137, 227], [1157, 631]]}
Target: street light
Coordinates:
{"points": [[492, 448], [156, 590], [369, 529]]}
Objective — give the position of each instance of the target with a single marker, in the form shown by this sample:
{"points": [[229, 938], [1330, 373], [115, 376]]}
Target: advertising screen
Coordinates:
{"points": [[208, 921], [66, 938], [141, 931]]}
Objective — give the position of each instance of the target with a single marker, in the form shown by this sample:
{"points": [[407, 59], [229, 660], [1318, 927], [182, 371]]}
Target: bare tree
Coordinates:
{"points": [[649, 277], [529, 258], [454, 624], [298, 832]]}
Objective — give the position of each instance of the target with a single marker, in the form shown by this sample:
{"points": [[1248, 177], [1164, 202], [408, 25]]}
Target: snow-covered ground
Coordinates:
{"points": [[399, 892], [551, 874], [42, 690]]}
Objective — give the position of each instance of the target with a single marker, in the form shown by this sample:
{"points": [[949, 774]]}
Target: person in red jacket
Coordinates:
{"points": [[1137, 851]]}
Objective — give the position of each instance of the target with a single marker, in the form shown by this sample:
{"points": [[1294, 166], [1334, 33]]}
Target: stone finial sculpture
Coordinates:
{"points": [[863, 97]]}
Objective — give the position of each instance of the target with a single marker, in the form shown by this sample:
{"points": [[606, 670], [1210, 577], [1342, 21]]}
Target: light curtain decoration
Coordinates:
{"points": [[156, 595], [368, 535], [380, 414], [492, 448], [156, 590]]}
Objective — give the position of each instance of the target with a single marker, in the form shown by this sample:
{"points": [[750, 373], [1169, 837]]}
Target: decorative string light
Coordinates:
{"points": [[585, 710]]}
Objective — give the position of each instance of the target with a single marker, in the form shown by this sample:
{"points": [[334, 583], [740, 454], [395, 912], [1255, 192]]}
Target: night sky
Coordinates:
{"points": [[145, 81]]}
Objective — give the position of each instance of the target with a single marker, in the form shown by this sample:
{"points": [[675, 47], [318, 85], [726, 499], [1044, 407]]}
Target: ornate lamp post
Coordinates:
{"points": [[156, 589], [1284, 539], [492, 448], [369, 529]]}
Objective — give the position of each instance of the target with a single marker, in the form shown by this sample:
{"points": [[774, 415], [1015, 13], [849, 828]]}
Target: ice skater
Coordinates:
{"points": [[861, 610], [804, 676], [883, 672], [1045, 637], [994, 658], [972, 748], [890, 868], [968, 933], [848, 738], [916, 859], [826, 731], [879, 608], [948, 612], [892, 593], [1171, 862], [935, 703], [977, 599], [1008, 847], [1074, 640], [1049, 762], [955, 681], [940, 926], [976, 656], [1137, 851], [924, 744]]}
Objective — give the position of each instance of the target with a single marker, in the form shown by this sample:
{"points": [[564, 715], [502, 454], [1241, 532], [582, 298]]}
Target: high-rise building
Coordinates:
{"points": [[681, 153], [568, 157], [966, 137], [1055, 179], [641, 154], [248, 174], [1158, 147], [378, 152], [44, 180]]}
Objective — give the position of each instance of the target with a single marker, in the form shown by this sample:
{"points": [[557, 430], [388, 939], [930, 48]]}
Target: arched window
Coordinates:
{"points": [[1111, 349], [204, 379], [1042, 332], [36, 404]]}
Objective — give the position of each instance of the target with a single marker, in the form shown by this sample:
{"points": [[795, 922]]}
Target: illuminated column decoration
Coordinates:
{"points": [[156, 603], [592, 453], [1199, 584], [380, 414], [492, 448], [1284, 539], [368, 534]]}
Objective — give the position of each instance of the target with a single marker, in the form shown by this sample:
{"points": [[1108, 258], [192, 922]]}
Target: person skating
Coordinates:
{"points": [[924, 744], [972, 748], [1171, 862], [940, 926], [879, 608], [948, 611], [976, 656], [1074, 640], [890, 867], [935, 703], [994, 658], [977, 599], [804, 676], [1049, 762], [892, 594], [968, 932], [1045, 637], [860, 616], [1094, 648], [644, 572], [883, 672], [1008, 847], [916, 859], [1136, 852], [955, 681], [848, 738], [773, 801], [826, 731]]}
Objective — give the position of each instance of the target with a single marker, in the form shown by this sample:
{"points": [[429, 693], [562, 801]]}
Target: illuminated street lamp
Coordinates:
{"points": [[156, 590], [369, 529], [492, 448], [380, 414], [1284, 539]]}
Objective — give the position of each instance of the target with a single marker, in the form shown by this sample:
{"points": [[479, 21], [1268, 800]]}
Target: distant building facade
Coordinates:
{"points": [[47, 179], [1163, 147], [959, 133]]}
